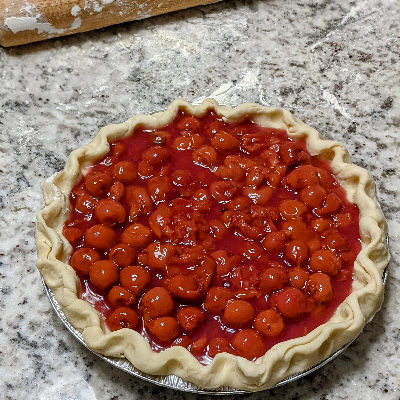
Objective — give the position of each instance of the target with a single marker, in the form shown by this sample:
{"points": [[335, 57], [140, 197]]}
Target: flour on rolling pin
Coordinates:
{"points": [[26, 21]]}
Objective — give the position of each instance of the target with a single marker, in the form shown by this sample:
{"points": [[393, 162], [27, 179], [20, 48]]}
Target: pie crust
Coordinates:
{"points": [[282, 360]]}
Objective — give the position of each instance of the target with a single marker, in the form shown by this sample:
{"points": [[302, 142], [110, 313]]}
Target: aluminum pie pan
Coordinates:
{"points": [[173, 381]]}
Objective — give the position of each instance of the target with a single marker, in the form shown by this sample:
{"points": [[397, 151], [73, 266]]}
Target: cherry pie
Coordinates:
{"points": [[227, 246]]}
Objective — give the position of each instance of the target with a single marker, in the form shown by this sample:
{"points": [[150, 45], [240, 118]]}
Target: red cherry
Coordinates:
{"points": [[123, 317], [216, 299], [100, 237], [188, 122], [332, 205], [224, 142], [238, 313], [136, 235], [117, 149], [313, 196], [122, 254], [274, 242], [82, 260], [319, 287], [293, 153], [157, 303], [259, 196], [117, 191], [253, 142], [158, 187], [159, 255], [103, 274], [198, 347], [321, 224], [73, 234], [160, 220], [156, 155], [205, 156], [125, 172], [164, 329], [336, 241], [201, 199], [219, 345], [119, 296], [184, 287], [249, 344], [217, 229], [252, 250], [97, 182], [109, 212], [139, 201], [298, 277], [269, 323], [188, 142], [303, 176], [343, 220], [190, 318], [325, 261], [273, 279], [290, 302], [160, 137], [223, 191], [296, 229], [181, 178], [290, 209], [85, 203], [314, 245], [134, 278], [145, 169], [225, 262], [239, 203], [296, 251], [214, 127]]}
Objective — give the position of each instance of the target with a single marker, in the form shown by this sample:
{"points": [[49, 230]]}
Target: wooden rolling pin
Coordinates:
{"points": [[27, 21]]}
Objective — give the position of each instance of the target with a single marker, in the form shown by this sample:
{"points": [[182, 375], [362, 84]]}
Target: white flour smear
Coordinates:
{"points": [[230, 93], [20, 24], [333, 101], [30, 19]]}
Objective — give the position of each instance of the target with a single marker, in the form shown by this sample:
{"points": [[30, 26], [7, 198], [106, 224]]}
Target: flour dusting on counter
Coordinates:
{"points": [[230, 92], [333, 101]]}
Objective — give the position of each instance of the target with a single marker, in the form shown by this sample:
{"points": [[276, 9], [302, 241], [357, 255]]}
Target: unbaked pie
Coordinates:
{"points": [[227, 246]]}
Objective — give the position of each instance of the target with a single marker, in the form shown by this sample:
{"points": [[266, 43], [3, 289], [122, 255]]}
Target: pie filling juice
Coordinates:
{"points": [[214, 236]]}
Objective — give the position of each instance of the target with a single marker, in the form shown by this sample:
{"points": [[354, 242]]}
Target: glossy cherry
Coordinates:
{"points": [[103, 274], [83, 259], [123, 317]]}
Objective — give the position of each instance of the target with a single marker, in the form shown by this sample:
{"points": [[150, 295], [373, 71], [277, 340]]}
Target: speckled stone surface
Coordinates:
{"points": [[334, 63]]}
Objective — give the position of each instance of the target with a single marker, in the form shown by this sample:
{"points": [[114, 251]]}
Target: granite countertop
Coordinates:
{"points": [[335, 64]]}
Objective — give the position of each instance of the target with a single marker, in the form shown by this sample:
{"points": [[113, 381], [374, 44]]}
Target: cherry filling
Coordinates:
{"points": [[213, 236]]}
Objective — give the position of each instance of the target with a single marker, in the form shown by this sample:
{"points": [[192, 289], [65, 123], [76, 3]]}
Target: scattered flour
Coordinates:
{"points": [[333, 101], [29, 19], [20, 24], [230, 93], [75, 11]]}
